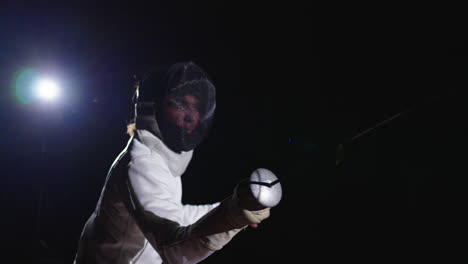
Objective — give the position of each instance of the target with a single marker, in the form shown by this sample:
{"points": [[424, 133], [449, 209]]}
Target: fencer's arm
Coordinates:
{"points": [[160, 219], [191, 213]]}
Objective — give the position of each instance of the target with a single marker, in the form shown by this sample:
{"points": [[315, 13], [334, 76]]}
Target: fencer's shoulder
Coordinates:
{"points": [[148, 163], [138, 149], [148, 146]]}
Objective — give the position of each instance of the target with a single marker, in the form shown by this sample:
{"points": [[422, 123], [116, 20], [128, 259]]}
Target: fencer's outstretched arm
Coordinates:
{"points": [[162, 221], [191, 213]]}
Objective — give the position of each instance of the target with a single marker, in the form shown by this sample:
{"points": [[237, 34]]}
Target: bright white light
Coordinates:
{"points": [[47, 89]]}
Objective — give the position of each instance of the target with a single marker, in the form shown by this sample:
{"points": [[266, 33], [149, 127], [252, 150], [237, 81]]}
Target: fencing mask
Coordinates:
{"points": [[176, 104]]}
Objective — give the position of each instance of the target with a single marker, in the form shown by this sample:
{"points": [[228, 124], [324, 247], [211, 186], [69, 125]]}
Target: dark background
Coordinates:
{"points": [[294, 83]]}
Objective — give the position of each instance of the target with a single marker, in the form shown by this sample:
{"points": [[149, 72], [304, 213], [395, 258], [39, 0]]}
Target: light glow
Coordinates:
{"points": [[47, 89]]}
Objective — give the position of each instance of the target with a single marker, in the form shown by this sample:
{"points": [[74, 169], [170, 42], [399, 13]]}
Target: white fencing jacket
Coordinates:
{"points": [[140, 217]]}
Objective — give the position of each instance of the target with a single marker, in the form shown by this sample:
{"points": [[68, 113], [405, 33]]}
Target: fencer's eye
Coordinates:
{"points": [[170, 103], [184, 104], [177, 104], [188, 119]]}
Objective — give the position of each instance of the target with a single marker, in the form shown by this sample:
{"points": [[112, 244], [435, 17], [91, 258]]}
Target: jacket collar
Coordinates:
{"points": [[177, 163]]}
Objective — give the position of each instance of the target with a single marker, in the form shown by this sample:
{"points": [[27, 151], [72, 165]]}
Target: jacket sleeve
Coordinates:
{"points": [[167, 225], [191, 213]]}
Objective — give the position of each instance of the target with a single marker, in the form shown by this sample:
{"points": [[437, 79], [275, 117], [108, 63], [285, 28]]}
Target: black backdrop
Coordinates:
{"points": [[294, 83]]}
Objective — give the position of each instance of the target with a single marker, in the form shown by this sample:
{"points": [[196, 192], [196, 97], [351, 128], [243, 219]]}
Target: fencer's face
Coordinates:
{"points": [[183, 112]]}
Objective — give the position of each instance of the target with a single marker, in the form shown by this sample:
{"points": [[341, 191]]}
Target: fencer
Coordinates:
{"points": [[139, 217]]}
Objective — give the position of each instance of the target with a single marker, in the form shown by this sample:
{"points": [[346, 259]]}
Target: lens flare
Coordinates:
{"points": [[47, 89], [24, 84], [31, 85]]}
